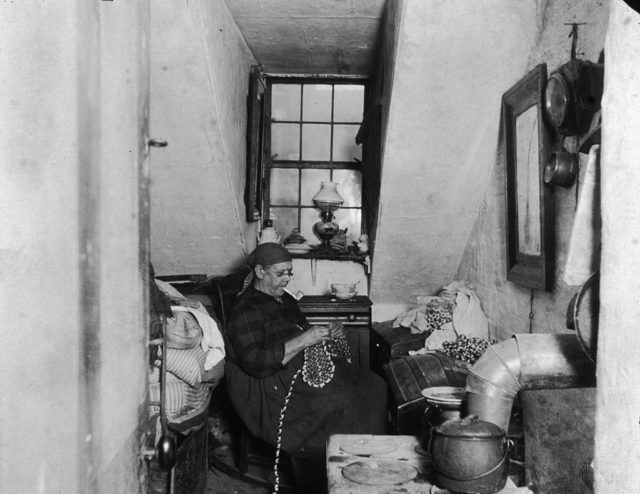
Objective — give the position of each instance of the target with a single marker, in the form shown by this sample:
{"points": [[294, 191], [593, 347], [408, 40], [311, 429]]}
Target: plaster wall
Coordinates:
{"points": [[199, 84], [617, 453], [506, 305], [439, 149], [122, 175], [72, 363], [385, 76], [40, 206], [315, 276]]}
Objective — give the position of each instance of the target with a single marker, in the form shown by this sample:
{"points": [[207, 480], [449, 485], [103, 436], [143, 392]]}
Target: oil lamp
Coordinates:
{"points": [[327, 200]]}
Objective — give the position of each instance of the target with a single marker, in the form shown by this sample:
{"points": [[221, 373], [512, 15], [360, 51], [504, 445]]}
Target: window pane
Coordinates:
{"points": [[348, 103], [308, 218], [344, 143], [316, 103], [285, 102], [351, 219], [284, 220], [284, 186], [316, 139], [349, 186], [311, 184], [285, 141]]}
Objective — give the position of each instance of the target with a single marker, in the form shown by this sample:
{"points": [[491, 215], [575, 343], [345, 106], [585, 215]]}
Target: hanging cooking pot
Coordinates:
{"points": [[470, 456], [561, 169]]}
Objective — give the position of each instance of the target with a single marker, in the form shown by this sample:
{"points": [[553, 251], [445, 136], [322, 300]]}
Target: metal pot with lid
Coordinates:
{"points": [[470, 456]]}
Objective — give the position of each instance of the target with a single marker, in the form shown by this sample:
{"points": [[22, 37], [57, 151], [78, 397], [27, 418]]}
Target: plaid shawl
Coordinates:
{"points": [[258, 327]]}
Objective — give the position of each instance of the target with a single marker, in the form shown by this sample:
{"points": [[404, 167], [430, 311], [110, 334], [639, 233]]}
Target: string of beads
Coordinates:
{"points": [[276, 485], [317, 371]]}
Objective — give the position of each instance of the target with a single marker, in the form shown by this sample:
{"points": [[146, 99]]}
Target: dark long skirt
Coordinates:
{"points": [[353, 402]]}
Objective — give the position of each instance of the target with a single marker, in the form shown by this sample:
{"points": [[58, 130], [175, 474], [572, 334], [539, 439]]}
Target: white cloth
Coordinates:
{"points": [[468, 317], [584, 243], [212, 342]]}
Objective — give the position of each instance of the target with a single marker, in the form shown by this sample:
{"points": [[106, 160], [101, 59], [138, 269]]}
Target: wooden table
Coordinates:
{"points": [[402, 448], [405, 451]]}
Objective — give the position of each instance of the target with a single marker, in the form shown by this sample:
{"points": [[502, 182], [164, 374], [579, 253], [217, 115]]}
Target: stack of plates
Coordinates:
{"points": [[444, 395], [298, 248]]}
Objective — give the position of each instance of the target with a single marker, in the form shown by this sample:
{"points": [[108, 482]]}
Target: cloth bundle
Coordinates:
{"points": [[468, 317], [212, 342], [454, 316], [456, 308], [432, 314]]}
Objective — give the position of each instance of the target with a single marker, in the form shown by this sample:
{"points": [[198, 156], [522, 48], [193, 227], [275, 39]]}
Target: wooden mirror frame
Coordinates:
{"points": [[530, 229]]}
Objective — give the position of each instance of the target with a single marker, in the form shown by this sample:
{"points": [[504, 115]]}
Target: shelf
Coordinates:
{"points": [[331, 303], [333, 256]]}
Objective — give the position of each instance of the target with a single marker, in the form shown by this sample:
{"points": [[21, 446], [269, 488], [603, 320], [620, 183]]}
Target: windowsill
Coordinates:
{"points": [[333, 256]]}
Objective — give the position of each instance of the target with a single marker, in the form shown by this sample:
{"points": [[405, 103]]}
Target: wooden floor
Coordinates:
{"points": [[223, 476], [219, 482]]}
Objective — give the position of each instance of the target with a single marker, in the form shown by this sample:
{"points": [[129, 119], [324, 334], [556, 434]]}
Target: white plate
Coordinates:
{"points": [[298, 248], [368, 446], [444, 395], [380, 472]]}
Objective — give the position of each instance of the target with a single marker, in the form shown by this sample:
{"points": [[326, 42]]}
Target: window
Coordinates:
{"points": [[310, 135]]}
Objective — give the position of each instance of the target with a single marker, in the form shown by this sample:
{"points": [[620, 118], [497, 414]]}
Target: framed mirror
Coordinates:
{"points": [[529, 201]]}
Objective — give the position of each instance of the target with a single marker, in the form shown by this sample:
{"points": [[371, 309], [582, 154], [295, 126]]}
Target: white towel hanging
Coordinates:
{"points": [[583, 257]]}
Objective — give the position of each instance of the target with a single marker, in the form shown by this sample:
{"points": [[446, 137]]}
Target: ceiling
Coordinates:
{"points": [[311, 36]]}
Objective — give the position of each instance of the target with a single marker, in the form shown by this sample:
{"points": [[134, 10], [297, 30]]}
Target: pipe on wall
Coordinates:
{"points": [[526, 361]]}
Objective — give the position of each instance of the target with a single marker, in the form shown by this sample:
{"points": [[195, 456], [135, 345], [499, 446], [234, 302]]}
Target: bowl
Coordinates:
{"points": [[343, 291]]}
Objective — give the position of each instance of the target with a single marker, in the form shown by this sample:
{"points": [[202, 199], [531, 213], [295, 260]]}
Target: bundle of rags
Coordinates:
{"points": [[455, 312]]}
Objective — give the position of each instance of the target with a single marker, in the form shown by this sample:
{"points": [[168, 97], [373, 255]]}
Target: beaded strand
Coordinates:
{"points": [[317, 371], [318, 367], [280, 424], [338, 347]]}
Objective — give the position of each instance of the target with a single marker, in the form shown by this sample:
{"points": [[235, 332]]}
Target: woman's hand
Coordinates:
{"points": [[310, 337], [336, 330], [317, 334]]}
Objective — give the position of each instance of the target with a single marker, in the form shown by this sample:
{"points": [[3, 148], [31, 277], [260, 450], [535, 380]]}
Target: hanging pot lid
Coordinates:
{"points": [[583, 313], [470, 427]]}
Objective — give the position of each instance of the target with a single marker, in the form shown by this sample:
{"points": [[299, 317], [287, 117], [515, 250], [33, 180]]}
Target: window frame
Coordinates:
{"points": [[270, 161]]}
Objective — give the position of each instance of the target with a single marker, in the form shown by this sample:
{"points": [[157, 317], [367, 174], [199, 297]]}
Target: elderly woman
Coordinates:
{"points": [[273, 350]]}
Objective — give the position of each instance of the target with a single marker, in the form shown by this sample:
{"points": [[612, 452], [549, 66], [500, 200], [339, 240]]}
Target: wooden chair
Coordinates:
{"points": [[249, 450]]}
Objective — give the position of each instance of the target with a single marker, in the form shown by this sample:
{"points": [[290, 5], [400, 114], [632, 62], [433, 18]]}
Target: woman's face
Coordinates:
{"points": [[274, 278]]}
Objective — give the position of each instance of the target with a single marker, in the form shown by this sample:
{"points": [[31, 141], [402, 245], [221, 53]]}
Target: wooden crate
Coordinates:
{"points": [[559, 435], [388, 343]]}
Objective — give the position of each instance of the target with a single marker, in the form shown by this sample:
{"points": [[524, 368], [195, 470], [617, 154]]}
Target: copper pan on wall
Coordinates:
{"points": [[561, 169]]}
